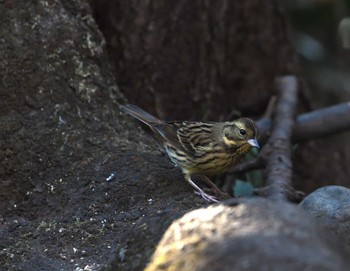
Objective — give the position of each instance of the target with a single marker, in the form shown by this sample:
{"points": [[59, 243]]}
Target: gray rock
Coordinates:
{"points": [[256, 234], [331, 206]]}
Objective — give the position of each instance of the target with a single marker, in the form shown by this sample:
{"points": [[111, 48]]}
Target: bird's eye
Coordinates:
{"points": [[242, 132]]}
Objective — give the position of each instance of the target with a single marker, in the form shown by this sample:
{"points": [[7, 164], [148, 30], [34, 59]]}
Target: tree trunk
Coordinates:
{"points": [[217, 57]]}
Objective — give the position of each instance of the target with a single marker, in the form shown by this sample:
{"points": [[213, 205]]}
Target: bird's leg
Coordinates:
{"points": [[214, 188], [200, 191], [211, 184]]}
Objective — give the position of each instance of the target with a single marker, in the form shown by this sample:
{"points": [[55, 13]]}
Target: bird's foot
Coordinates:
{"points": [[214, 189], [200, 191], [206, 196], [218, 193]]}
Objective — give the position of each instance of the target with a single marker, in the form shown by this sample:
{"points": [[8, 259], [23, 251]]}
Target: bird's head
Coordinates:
{"points": [[239, 133]]}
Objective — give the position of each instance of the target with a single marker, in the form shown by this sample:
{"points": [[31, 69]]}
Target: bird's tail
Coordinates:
{"points": [[140, 114]]}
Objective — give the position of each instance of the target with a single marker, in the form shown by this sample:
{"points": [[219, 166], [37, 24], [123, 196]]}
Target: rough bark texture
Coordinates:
{"points": [[278, 148], [62, 137], [217, 56]]}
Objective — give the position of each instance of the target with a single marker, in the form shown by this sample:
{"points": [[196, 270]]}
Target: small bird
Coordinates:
{"points": [[197, 147]]}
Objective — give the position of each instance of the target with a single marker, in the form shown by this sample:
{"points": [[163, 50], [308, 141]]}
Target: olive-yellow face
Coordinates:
{"points": [[239, 133]]}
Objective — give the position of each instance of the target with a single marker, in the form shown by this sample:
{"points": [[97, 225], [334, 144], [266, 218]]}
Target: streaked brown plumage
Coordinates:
{"points": [[206, 148]]}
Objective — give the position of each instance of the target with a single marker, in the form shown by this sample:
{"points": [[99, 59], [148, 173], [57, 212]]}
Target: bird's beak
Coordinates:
{"points": [[253, 142]]}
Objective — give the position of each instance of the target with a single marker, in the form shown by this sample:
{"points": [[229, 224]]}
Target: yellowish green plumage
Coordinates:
{"points": [[206, 148]]}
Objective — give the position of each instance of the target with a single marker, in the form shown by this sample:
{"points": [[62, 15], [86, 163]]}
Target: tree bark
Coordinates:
{"points": [[219, 57], [77, 178]]}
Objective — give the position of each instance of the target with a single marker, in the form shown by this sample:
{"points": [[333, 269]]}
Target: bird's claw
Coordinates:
{"points": [[206, 196]]}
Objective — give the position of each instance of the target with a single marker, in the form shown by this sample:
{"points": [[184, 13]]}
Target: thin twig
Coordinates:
{"points": [[256, 163], [270, 107]]}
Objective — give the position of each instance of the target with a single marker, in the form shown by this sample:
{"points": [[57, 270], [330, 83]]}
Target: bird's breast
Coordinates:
{"points": [[214, 162]]}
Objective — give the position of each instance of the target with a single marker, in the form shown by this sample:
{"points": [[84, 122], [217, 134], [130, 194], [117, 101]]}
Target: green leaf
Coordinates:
{"points": [[243, 189]]}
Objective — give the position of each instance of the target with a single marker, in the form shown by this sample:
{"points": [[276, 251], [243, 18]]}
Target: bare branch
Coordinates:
{"points": [[323, 122], [279, 166], [319, 123]]}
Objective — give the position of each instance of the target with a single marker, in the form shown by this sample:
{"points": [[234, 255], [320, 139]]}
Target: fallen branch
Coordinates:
{"points": [[319, 123], [279, 166], [276, 153]]}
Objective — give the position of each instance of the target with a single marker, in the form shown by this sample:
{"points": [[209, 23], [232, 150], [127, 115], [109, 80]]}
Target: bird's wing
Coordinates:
{"points": [[195, 137], [192, 138], [168, 132]]}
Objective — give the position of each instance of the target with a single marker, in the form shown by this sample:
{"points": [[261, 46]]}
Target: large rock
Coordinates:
{"points": [[254, 235], [331, 206]]}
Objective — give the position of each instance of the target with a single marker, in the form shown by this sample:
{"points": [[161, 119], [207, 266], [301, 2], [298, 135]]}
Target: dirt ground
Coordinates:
{"points": [[69, 200]]}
